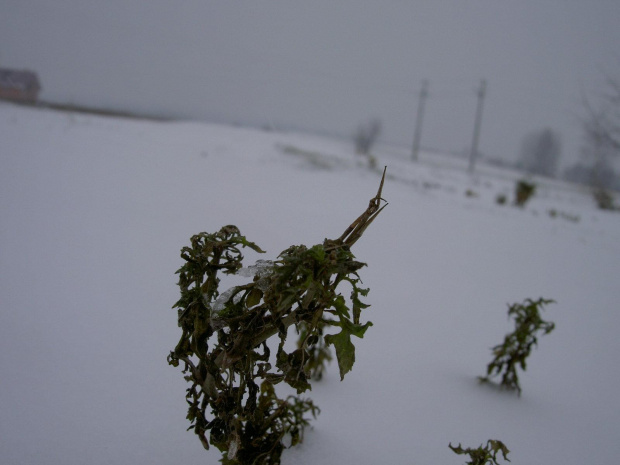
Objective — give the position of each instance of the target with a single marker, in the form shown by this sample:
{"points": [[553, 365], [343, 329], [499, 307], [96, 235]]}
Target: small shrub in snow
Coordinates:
{"points": [[518, 345], [524, 190], [483, 455], [223, 348], [314, 159], [604, 199], [501, 199], [366, 136], [553, 213]]}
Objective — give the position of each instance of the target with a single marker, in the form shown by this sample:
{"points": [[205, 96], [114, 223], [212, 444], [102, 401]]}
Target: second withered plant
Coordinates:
{"points": [[517, 346]]}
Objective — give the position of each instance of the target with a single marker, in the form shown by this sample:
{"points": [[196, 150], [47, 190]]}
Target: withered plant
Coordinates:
{"points": [[224, 350]]}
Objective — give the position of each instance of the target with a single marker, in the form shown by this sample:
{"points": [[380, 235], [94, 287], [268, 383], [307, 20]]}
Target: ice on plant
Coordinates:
{"points": [[262, 269], [224, 297]]}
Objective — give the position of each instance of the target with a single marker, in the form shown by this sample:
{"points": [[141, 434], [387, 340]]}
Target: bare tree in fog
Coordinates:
{"points": [[540, 152], [601, 147], [602, 135], [603, 125]]}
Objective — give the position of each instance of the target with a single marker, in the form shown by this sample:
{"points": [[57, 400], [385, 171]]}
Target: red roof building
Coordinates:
{"points": [[20, 86]]}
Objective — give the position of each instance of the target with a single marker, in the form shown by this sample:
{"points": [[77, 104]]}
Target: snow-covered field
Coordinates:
{"points": [[94, 211]]}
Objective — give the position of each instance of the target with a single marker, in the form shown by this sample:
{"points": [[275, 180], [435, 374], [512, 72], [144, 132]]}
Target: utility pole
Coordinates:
{"points": [[474, 143], [418, 123]]}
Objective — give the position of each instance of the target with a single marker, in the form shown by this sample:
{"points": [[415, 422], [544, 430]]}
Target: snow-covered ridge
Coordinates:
{"points": [[94, 211]]}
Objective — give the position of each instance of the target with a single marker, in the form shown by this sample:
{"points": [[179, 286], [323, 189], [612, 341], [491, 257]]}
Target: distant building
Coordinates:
{"points": [[19, 86]]}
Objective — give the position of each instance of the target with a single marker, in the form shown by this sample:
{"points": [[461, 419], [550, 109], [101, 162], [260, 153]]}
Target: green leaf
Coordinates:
{"points": [[355, 330], [318, 252], [250, 244], [254, 297], [345, 350], [498, 446], [341, 307]]}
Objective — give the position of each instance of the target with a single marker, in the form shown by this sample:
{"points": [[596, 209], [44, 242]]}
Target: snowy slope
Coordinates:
{"points": [[95, 210]]}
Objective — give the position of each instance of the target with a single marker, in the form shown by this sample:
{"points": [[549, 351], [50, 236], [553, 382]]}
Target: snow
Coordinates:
{"points": [[95, 210]]}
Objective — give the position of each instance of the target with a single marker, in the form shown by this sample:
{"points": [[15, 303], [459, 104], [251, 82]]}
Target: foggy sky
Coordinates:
{"points": [[327, 65]]}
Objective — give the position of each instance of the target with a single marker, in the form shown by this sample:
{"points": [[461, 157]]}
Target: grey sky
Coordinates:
{"points": [[326, 65]]}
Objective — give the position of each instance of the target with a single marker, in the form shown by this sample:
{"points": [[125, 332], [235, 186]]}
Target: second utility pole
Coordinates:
{"points": [[474, 143], [418, 123]]}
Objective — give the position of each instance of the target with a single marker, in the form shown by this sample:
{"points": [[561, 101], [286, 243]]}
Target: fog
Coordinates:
{"points": [[326, 66]]}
